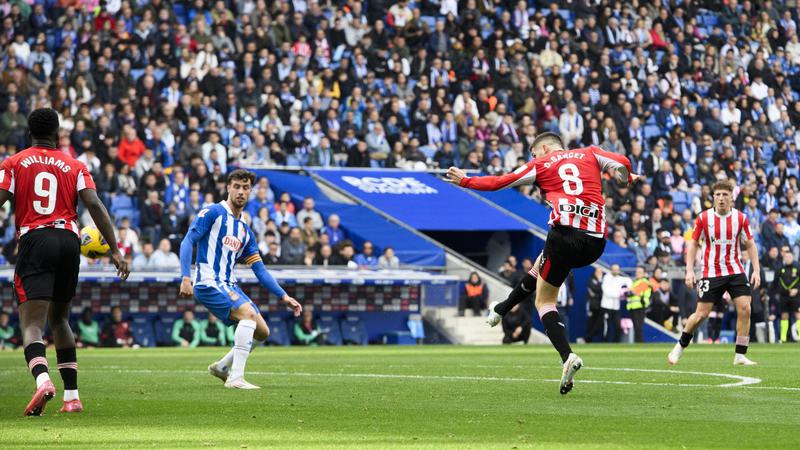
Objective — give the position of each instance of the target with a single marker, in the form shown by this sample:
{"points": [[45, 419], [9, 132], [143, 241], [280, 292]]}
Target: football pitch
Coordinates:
{"points": [[419, 397]]}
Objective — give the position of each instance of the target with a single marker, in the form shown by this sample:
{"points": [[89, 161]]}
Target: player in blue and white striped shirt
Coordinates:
{"points": [[222, 239]]}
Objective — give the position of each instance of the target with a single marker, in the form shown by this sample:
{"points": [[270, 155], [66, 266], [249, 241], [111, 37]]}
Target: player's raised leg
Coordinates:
{"points": [[32, 316], [58, 318], [523, 290], [742, 330]]}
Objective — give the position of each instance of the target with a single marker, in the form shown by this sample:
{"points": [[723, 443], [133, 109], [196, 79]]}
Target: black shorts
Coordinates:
{"points": [[789, 304], [566, 249], [47, 265], [711, 290]]}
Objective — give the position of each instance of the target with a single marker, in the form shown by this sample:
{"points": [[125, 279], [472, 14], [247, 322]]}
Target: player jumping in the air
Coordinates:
{"points": [[722, 228], [572, 180], [222, 239], [46, 184]]}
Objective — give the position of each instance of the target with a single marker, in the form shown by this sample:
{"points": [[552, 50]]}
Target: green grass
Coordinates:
{"points": [[428, 397]]}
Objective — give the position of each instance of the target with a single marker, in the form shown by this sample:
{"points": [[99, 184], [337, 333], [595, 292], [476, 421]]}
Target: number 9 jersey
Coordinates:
{"points": [[45, 183], [572, 182]]}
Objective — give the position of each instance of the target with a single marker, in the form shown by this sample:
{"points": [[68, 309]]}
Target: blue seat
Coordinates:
{"points": [[710, 20], [680, 201], [652, 131], [353, 331], [163, 330], [143, 332], [278, 331], [416, 326], [430, 21], [330, 328], [121, 201]]}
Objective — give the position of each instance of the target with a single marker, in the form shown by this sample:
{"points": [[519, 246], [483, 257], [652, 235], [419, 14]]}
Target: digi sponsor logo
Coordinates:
{"points": [[390, 185], [585, 211]]}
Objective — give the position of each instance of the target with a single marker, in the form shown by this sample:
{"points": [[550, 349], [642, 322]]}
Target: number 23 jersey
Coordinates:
{"points": [[572, 181], [45, 183]]}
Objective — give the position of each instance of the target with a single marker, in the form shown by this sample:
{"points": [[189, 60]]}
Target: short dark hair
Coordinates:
{"points": [[43, 123], [547, 136], [242, 175]]}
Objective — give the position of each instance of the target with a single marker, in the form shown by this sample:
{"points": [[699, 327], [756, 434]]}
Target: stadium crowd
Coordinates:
{"points": [[160, 99]]}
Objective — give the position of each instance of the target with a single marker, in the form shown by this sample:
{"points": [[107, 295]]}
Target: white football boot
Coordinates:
{"points": [[215, 371], [741, 360], [493, 318], [571, 366], [240, 383], [675, 355]]}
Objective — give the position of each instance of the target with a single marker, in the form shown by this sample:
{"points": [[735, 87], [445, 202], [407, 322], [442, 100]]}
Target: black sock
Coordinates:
{"points": [[35, 357], [686, 339], [742, 342], [554, 329], [68, 367], [525, 289]]}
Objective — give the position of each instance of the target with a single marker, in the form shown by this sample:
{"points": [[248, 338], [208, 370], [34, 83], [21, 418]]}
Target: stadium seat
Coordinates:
{"points": [[278, 331], [353, 331], [652, 131], [330, 326], [121, 201], [680, 201], [143, 332], [416, 326], [163, 330]]}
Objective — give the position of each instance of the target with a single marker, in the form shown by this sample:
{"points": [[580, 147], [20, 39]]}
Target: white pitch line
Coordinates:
{"points": [[743, 381]]}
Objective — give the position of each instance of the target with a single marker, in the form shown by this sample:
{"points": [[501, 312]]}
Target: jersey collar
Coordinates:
{"points": [[227, 207]]}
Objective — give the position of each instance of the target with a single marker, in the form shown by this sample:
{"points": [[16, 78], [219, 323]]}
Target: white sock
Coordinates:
{"points": [[227, 360], [41, 379], [71, 394], [242, 343]]}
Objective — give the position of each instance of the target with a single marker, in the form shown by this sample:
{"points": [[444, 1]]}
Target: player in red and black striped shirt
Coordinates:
{"points": [[46, 184], [572, 181], [723, 229]]}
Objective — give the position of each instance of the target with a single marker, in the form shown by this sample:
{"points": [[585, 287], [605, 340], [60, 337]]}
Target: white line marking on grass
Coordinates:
{"points": [[743, 381]]}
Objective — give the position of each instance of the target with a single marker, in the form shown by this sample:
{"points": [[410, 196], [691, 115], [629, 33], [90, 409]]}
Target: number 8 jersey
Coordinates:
{"points": [[572, 182], [45, 183]]}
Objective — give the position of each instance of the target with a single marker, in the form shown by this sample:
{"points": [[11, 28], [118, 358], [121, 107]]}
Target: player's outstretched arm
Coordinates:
{"points": [[103, 222], [268, 282], [523, 175], [4, 197]]}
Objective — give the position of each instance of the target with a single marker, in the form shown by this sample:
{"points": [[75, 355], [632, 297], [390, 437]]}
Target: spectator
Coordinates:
{"points": [[150, 216], [787, 285], [164, 258], [13, 125], [367, 258], [117, 331], [517, 325], [212, 332], [325, 256], [130, 147], [310, 234], [186, 331], [145, 260], [334, 232], [639, 301], [293, 249], [594, 295], [262, 200], [8, 333], [388, 260], [88, 330], [308, 211], [284, 215], [344, 255], [474, 295], [306, 331], [614, 286], [509, 272]]}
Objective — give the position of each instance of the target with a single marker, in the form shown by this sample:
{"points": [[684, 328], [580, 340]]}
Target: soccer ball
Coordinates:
{"points": [[93, 245]]}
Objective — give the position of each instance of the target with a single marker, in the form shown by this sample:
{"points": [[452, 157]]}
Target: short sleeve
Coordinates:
{"points": [[746, 227], [85, 180], [7, 175], [699, 226], [202, 223]]}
